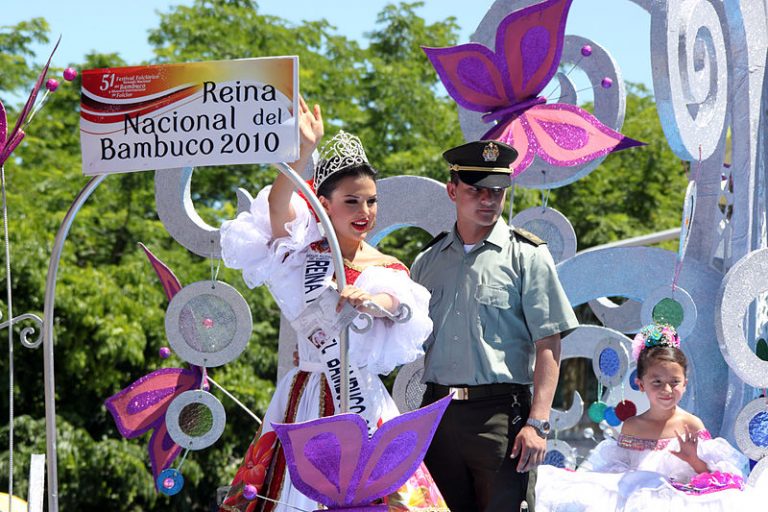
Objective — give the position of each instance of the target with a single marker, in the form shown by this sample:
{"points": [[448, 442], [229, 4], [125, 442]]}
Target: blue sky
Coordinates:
{"points": [[122, 26]]}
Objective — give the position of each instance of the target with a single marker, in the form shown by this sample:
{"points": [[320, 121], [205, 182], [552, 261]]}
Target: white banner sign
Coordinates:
{"points": [[196, 114]]}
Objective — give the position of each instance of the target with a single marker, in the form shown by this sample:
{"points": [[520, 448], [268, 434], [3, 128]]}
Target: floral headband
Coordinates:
{"points": [[654, 335]]}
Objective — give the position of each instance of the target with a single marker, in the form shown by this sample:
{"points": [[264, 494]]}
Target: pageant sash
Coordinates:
{"points": [[321, 325]]}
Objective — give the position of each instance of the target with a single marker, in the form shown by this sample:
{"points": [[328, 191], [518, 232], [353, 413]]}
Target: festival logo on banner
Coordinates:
{"points": [[195, 114]]}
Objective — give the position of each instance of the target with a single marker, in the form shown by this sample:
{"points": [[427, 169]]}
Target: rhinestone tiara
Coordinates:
{"points": [[342, 152]]}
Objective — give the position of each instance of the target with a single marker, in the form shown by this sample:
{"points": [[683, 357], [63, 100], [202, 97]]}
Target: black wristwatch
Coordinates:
{"points": [[542, 426]]}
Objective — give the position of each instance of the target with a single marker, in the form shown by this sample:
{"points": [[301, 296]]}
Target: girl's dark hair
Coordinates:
{"points": [[327, 187], [650, 356]]}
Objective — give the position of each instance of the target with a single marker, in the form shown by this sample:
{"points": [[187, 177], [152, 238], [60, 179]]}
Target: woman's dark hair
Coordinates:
{"points": [[650, 356], [327, 187]]}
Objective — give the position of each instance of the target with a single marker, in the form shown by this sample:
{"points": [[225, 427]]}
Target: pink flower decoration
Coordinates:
{"points": [[70, 74], [654, 335], [52, 84]]}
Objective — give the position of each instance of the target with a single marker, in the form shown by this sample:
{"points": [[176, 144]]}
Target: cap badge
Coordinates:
{"points": [[490, 152]]}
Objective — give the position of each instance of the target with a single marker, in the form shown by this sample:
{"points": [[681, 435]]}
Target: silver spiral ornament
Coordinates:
{"points": [[690, 74], [609, 103], [26, 332]]}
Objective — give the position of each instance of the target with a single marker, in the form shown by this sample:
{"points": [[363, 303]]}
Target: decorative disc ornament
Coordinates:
{"points": [[208, 323], [610, 362], [551, 226], [758, 477], [751, 429], [408, 390], [559, 454], [195, 419], [596, 411], [665, 305], [610, 417], [625, 410], [170, 482], [743, 284]]}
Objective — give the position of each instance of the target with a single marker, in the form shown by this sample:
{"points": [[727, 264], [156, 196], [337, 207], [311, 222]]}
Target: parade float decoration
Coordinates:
{"points": [[333, 460], [505, 86], [9, 141], [144, 405], [708, 78], [699, 49]]}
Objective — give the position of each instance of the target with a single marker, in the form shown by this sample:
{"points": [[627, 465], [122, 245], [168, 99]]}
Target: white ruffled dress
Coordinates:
{"points": [[247, 244], [638, 475]]}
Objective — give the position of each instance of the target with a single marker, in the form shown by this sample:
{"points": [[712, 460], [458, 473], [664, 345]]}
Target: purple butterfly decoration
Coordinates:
{"points": [[506, 84], [332, 460], [141, 406], [9, 142]]}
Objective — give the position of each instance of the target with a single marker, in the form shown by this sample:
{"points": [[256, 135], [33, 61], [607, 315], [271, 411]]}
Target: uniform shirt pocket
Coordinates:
{"points": [[492, 302]]}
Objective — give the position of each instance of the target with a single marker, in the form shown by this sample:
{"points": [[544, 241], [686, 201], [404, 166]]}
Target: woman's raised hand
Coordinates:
{"points": [[310, 133], [310, 128]]}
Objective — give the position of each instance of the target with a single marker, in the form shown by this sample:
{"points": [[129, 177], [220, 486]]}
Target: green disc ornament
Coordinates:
{"points": [[596, 411], [668, 311]]}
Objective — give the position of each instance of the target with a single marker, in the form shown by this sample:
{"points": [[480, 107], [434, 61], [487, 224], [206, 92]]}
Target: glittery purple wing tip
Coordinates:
{"points": [[168, 279], [627, 143], [398, 447], [467, 71], [3, 125], [319, 470], [541, 45], [33, 94]]}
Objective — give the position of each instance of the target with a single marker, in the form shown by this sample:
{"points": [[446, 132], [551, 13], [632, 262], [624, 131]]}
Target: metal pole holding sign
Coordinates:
{"points": [[338, 263], [48, 374]]}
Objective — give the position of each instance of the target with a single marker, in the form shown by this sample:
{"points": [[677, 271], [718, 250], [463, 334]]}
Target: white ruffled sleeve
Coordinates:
{"points": [[609, 457], [719, 455], [247, 243], [389, 344]]}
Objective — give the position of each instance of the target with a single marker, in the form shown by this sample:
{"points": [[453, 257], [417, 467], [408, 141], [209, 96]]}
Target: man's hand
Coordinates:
{"points": [[531, 448]]}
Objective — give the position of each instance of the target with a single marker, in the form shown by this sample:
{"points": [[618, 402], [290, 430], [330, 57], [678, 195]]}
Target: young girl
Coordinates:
{"points": [[664, 459], [278, 243]]}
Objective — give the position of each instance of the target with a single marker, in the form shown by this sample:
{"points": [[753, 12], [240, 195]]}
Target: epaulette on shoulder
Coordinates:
{"points": [[529, 237], [435, 240]]}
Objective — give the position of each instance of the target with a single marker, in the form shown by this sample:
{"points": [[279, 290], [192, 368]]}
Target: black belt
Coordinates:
{"points": [[477, 392]]}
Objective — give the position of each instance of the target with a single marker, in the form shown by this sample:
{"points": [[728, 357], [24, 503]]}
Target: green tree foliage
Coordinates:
{"points": [[110, 306], [14, 51]]}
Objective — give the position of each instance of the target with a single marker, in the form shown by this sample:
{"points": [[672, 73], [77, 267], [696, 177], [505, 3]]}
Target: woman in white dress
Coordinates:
{"points": [[278, 243]]}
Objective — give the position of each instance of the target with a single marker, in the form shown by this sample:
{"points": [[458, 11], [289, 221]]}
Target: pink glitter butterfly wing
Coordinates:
{"points": [[323, 456], [162, 450], [566, 135], [397, 449], [7, 145], [529, 42], [3, 125], [472, 74], [138, 407], [141, 407], [514, 134], [14, 139], [332, 460], [168, 279]]}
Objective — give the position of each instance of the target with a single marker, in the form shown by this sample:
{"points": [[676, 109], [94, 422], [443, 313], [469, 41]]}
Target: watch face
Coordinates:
{"points": [[545, 427]]}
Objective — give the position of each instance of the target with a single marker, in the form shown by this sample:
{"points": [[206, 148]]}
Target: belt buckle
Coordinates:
{"points": [[459, 393]]}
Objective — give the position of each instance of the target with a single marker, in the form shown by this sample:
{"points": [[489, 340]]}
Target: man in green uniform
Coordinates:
{"points": [[498, 311]]}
